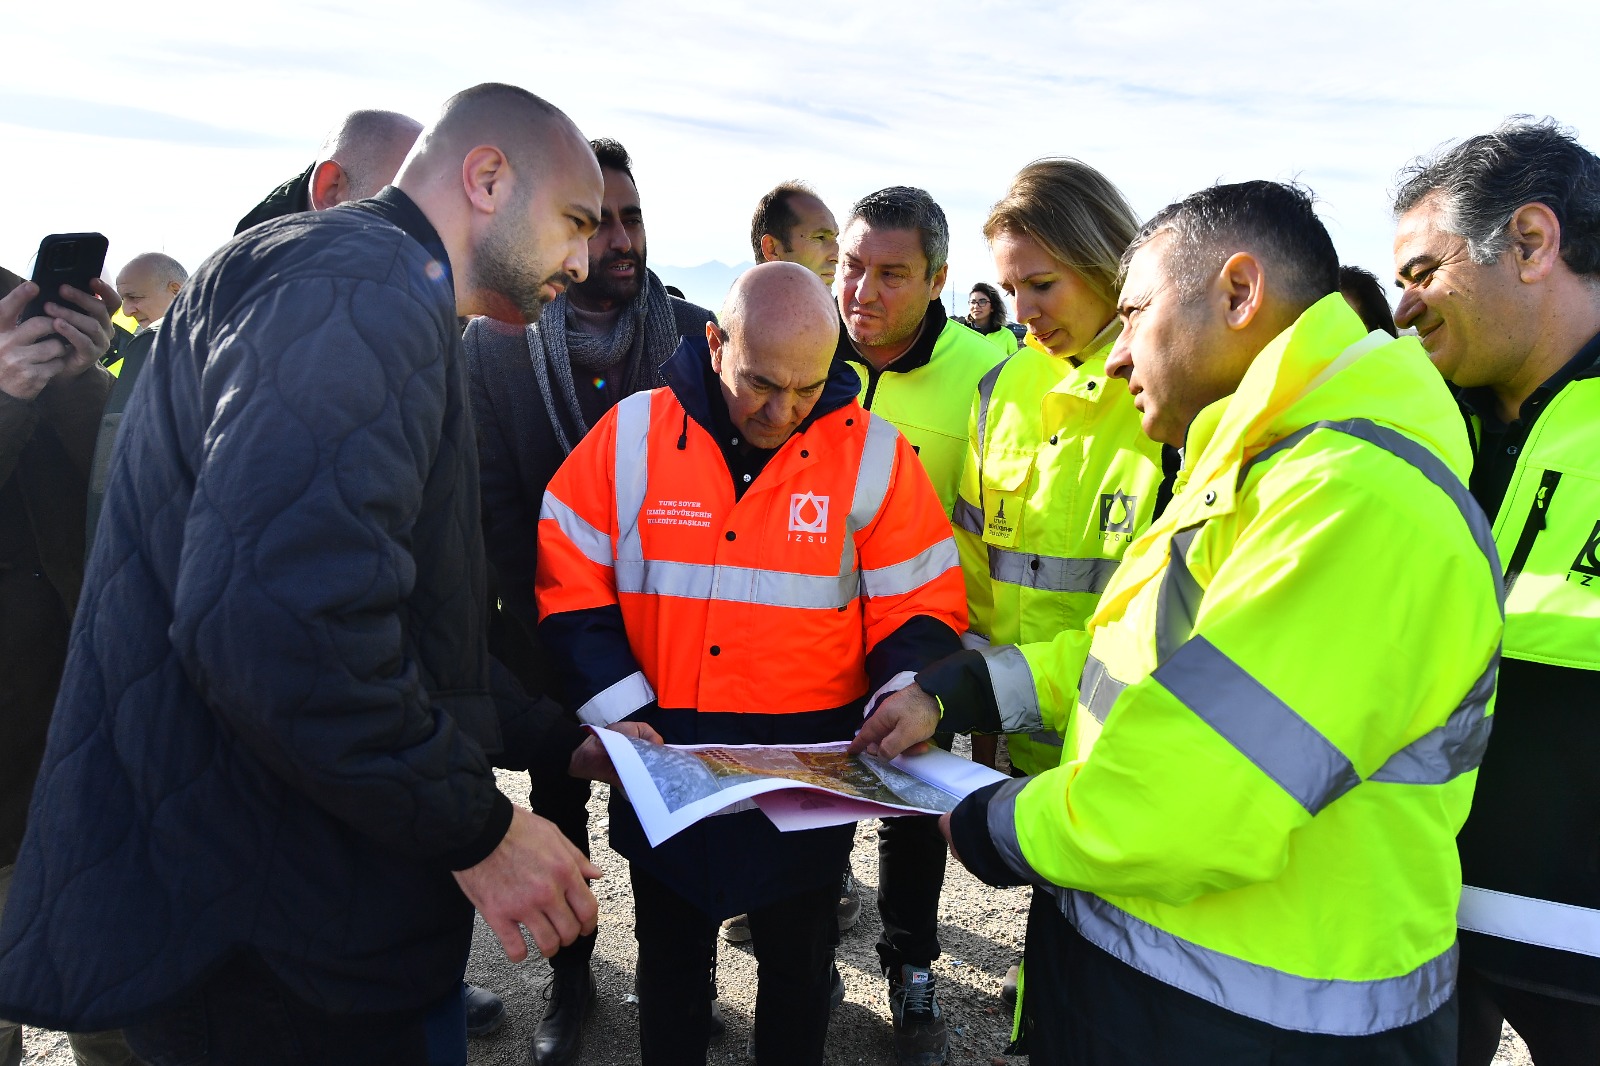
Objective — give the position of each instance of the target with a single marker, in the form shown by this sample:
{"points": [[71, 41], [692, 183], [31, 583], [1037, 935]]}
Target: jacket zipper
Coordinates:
{"points": [[1532, 527]]}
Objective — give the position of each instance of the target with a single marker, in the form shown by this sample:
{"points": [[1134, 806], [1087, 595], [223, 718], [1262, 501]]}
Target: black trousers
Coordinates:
{"points": [[911, 860], [564, 800], [243, 1015], [793, 942], [1085, 1008], [1558, 1032]]}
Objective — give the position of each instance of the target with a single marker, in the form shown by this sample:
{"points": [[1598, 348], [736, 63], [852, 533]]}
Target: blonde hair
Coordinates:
{"points": [[1075, 214]]}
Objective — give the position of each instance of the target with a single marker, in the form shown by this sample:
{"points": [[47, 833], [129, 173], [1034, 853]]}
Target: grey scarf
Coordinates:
{"points": [[644, 336]]}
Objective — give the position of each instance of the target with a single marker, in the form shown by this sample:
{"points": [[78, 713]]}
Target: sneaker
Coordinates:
{"points": [[849, 902], [736, 930], [920, 1038]]}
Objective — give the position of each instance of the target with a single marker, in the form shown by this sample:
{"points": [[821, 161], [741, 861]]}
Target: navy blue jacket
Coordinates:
{"points": [[278, 715]]}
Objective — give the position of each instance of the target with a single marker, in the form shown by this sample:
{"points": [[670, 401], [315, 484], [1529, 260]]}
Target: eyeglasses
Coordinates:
{"points": [[977, 300]]}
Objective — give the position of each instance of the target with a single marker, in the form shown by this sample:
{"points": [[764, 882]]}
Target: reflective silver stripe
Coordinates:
{"points": [[909, 576], [1527, 920], [872, 477], [1262, 727], [1098, 690], [1049, 573], [617, 701], [632, 472], [1336, 1007], [968, 517], [985, 395], [1419, 458], [1457, 746], [1014, 692], [1178, 604], [1047, 738], [1445, 753], [735, 584], [1002, 825], [595, 545]]}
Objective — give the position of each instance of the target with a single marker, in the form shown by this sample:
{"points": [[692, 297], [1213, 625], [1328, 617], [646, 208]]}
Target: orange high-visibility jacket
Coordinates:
{"points": [[769, 604]]}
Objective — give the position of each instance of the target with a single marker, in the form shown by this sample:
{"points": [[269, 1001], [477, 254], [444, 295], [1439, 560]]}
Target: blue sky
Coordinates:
{"points": [[182, 115]]}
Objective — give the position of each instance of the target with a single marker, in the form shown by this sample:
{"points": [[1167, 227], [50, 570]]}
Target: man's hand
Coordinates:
{"points": [[903, 720], [28, 361], [591, 761], [84, 322], [536, 878], [944, 828]]}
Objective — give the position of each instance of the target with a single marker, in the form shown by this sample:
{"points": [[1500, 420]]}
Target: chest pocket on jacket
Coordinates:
{"points": [[1005, 492]]}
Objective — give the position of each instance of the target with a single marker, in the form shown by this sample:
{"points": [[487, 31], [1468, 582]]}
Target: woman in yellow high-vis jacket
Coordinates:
{"points": [[1058, 478]]}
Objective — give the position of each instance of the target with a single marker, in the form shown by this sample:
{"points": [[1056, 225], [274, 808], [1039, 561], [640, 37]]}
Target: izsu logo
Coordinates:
{"points": [[1587, 565], [808, 518], [1116, 515]]}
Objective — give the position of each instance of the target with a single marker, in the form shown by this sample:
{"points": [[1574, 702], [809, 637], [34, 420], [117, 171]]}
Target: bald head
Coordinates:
{"points": [[772, 354], [360, 156], [513, 190], [148, 284]]}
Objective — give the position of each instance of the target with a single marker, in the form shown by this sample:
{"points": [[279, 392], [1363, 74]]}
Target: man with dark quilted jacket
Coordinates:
{"points": [[266, 808]]}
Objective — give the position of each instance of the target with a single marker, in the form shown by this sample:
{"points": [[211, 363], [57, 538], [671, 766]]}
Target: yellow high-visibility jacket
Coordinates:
{"points": [[1059, 478], [1285, 693]]}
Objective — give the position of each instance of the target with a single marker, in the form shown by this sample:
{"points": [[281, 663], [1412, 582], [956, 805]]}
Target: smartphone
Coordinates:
{"points": [[73, 259]]}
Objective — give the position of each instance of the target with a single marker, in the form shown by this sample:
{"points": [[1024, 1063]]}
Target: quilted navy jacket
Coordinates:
{"points": [[277, 720]]}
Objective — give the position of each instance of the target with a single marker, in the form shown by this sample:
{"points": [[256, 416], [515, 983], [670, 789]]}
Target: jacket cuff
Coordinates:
{"points": [[969, 833], [494, 831], [960, 683]]}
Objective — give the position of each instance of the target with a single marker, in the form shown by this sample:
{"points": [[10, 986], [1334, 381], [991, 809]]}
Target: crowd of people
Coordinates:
{"points": [[1287, 630]]}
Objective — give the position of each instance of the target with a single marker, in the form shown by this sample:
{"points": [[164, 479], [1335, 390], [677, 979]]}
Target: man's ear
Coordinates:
{"points": [[330, 186], [769, 248], [714, 342], [174, 287], [936, 284], [1241, 287], [1535, 241], [486, 178]]}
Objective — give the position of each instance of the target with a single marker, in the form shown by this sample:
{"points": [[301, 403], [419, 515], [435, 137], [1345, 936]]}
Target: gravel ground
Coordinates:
{"points": [[980, 929]]}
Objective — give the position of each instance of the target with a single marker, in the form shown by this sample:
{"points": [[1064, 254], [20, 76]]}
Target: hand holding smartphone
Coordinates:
{"points": [[73, 259]]}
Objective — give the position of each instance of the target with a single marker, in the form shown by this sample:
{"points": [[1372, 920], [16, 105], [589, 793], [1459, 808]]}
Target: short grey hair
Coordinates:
{"points": [[163, 268], [1484, 180], [908, 208]]}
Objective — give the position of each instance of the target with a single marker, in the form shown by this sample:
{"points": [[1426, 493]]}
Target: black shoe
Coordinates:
{"points": [[560, 1034], [920, 1038], [485, 1012], [836, 993]]}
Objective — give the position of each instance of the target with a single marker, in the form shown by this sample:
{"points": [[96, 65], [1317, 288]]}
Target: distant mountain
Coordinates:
{"points": [[705, 284]]}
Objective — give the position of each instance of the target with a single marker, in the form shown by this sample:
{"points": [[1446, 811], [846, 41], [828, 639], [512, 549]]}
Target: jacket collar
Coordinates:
{"points": [[688, 374], [914, 358], [398, 209]]}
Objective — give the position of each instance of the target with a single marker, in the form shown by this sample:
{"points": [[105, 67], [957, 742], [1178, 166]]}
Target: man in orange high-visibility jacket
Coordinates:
{"points": [[744, 556]]}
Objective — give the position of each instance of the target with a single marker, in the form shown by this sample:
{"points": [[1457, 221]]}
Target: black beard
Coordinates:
{"points": [[600, 288]]}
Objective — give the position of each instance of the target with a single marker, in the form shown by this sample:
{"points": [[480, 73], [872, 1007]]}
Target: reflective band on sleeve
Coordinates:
{"points": [[1179, 602], [632, 474], [1014, 691], [872, 477], [1049, 573], [968, 517], [1305, 1004], [972, 640], [1445, 753], [1262, 727], [595, 545], [1098, 690], [1542, 922], [1002, 825], [735, 584], [618, 701], [909, 576], [1047, 738]]}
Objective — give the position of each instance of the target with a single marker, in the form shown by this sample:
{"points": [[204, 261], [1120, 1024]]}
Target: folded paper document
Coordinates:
{"points": [[801, 786]]}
